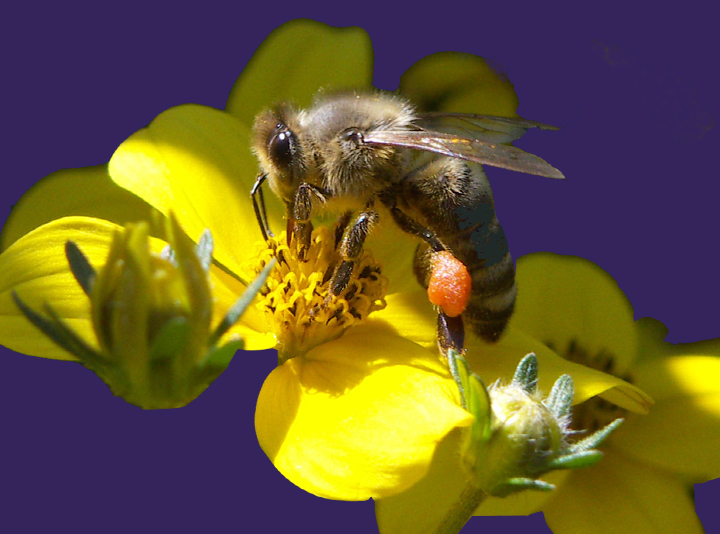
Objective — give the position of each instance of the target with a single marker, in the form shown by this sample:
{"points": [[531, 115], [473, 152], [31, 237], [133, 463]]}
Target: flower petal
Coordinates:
{"points": [[36, 268], [412, 317], [622, 496], [420, 509], [296, 60], [499, 360], [682, 432], [196, 161], [463, 83], [358, 417], [565, 298], [56, 196]]}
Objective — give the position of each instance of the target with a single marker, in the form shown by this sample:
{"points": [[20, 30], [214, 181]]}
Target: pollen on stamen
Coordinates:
{"points": [[295, 295]]}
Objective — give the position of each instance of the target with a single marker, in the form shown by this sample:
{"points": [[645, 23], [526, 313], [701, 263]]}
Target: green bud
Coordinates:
{"points": [[152, 316], [518, 434]]}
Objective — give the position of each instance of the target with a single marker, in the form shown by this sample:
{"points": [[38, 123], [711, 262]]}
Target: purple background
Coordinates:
{"points": [[634, 89]]}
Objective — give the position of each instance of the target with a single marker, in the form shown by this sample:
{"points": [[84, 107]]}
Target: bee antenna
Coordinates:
{"points": [[259, 206]]}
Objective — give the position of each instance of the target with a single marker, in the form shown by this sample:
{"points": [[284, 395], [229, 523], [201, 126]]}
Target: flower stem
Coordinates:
{"points": [[463, 509]]}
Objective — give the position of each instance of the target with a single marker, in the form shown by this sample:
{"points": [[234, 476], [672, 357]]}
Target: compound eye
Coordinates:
{"points": [[281, 146]]}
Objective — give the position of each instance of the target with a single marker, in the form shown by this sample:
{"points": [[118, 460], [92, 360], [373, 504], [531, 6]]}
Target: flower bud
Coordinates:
{"points": [[151, 314], [518, 434]]}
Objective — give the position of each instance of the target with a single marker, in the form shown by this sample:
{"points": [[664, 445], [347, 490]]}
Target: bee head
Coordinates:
{"points": [[278, 150]]}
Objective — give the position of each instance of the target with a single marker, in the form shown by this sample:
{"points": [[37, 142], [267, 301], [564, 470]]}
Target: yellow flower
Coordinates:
{"points": [[641, 484], [351, 416], [357, 412]]}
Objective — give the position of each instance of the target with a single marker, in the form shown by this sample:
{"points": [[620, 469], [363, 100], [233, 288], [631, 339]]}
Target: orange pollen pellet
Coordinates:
{"points": [[450, 284]]}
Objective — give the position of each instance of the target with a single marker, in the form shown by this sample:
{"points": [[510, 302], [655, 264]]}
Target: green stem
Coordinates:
{"points": [[463, 509]]}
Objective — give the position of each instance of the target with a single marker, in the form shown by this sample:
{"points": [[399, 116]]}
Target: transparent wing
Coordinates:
{"points": [[471, 145], [481, 127]]}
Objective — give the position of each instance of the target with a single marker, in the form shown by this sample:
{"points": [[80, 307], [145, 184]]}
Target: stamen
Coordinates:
{"points": [[295, 296]]}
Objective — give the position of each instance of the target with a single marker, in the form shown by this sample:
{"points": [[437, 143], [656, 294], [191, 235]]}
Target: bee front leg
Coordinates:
{"points": [[300, 225]]}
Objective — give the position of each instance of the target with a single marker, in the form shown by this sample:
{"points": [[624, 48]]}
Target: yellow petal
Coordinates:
{"points": [[682, 432], [420, 509], [358, 417], [652, 345], [296, 60], [499, 360], [196, 161], [463, 83], [565, 298], [36, 268], [412, 317], [394, 251], [622, 496], [56, 196]]}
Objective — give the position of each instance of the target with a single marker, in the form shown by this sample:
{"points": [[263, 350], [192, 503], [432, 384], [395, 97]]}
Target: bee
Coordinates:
{"points": [[352, 152]]}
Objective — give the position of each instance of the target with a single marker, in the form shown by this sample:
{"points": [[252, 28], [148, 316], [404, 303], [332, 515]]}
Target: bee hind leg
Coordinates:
{"points": [[451, 333]]}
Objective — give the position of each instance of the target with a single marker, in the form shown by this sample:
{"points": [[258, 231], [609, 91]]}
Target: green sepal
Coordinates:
{"points": [[560, 399], [241, 304], [83, 272], [171, 339], [220, 357], [204, 249], [59, 333], [577, 460], [516, 485], [526, 373], [595, 439], [460, 372]]}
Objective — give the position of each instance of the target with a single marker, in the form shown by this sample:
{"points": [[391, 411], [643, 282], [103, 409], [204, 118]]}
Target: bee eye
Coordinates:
{"points": [[281, 146], [352, 135]]}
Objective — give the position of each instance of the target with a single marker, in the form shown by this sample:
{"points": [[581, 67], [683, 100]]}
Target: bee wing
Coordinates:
{"points": [[484, 127], [468, 147]]}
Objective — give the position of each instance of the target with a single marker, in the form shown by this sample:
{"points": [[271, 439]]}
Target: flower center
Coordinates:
{"points": [[297, 297], [595, 413]]}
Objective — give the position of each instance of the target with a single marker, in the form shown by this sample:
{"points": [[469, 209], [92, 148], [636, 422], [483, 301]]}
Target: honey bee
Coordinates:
{"points": [[353, 151]]}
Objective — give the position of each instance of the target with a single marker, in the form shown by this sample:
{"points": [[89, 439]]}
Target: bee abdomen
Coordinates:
{"points": [[488, 316]]}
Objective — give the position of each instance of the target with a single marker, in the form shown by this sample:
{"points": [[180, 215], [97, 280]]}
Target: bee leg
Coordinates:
{"points": [[451, 333], [259, 205], [300, 225], [451, 330], [350, 247], [341, 226], [411, 226]]}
